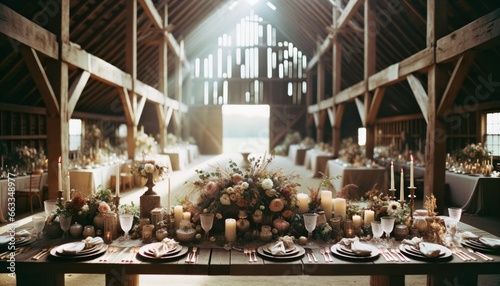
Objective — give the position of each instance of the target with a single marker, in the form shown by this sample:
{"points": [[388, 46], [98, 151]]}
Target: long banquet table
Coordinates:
{"points": [[19, 182], [85, 181], [364, 177], [213, 260]]}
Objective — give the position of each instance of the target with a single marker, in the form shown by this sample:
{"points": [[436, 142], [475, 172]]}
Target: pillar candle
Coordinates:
{"points": [[392, 175], [117, 187], [68, 188], [402, 186], [303, 202], [356, 220], [186, 216], [369, 217], [411, 173], [177, 216], [59, 175], [230, 230], [168, 196], [326, 203], [340, 207]]}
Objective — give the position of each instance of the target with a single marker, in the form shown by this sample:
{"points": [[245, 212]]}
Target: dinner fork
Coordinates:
{"points": [[322, 251], [327, 250], [252, 251], [193, 257], [309, 259]]}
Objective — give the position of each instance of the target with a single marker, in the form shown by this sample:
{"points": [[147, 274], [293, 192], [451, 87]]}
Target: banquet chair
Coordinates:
{"points": [[33, 189], [126, 177]]}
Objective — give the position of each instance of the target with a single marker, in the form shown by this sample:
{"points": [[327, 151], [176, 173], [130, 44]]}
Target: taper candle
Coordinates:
{"points": [[411, 172], [59, 175], [230, 230], [392, 175], [402, 186], [68, 188], [117, 181]]}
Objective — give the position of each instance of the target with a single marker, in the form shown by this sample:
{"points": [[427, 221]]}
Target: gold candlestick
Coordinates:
{"points": [[392, 194]]}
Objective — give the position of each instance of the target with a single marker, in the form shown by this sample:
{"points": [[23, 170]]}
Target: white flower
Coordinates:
{"points": [[393, 208], [225, 200], [267, 184], [85, 208], [271, 193], [244, 185], [149, 168]]}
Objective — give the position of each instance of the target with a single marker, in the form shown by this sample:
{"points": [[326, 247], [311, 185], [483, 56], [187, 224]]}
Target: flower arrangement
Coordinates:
{"points": [[351, 152], [382, 206], [149, 168], [261, 194], [476, 151], [145, 144]]}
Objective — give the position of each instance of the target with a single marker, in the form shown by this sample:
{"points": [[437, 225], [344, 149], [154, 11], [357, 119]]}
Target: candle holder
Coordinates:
{"points": [[392, 194], [412, 203], [116, 200], [402, 203]]}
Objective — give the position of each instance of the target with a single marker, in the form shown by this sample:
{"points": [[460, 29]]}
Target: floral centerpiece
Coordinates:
{"points": [[476, 152], [263, 196], [381, 205], [149, 168], [145, 144], [351, 152]]}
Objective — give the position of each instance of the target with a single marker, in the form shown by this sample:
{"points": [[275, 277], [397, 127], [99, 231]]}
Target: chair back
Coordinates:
{"points": [[36, 179]]}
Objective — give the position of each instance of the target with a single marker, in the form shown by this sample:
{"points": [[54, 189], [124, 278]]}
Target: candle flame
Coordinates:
{"points": [[59, 159], [411, 156]]}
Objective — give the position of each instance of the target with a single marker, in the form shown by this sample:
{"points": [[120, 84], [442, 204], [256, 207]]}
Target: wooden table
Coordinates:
{"points": [[364, 177], [297, 153], [214, 260], [316, 160]]}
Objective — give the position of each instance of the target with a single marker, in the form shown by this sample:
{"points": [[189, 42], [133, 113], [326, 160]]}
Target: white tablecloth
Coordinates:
{"points": [[85, 181]]}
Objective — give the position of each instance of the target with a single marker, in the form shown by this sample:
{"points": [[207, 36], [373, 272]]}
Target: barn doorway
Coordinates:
{"points": [[245, 128]]}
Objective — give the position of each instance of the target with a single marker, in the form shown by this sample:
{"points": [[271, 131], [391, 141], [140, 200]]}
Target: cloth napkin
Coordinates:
{"points": [[76, 247], [4, 240], [356, 246], [469, 235], [164, 247], [278, 248], [430, 250], [23, 233], [490, 242]]}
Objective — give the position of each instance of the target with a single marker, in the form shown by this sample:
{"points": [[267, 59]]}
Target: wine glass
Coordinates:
{"points": [[65, 222], [377, 230], [38, 224], [310, 220], [387, 223], [126, 221], [207, 221]]}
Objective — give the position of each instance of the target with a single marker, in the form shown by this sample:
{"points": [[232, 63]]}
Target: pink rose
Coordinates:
{"points": [[211, 189], [237, 178], [104, 207]]}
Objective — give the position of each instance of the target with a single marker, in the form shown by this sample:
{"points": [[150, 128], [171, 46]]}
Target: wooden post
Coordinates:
{"points": [[162, 110], [436, 129], [320, 95], [336, 84], [369, 69], [131, 68]]}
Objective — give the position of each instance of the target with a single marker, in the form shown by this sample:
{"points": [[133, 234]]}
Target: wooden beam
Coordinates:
{"points": [[41, 79], [398, 118], [76, 89], [331, 115], [455, 82], [348, 12], [127, 106], [470, 36], [21, 29], [397, 72], [153, 15], [140, 108], [375, 105], [420, 95], [361, 110], [350, 93]]}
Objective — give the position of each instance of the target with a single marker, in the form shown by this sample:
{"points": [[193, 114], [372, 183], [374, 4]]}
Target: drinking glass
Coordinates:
{"points": [[126, 221], [65, 222], [310, 220], [207, 221], [38, 224], [455, 213], [387, 223], [377, 230]]}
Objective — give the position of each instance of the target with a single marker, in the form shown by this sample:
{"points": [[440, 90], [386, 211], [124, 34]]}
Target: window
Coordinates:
{"points": [[75, 134], [362, 136], [493, 132]]}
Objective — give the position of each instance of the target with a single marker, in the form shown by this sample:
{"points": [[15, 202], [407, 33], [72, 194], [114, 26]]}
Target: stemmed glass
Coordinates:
{"points": [[38, 224], [207, 221], [387, 223], [65, 222], [377, 230], [310, 220], [455, 215], [126, 221]]}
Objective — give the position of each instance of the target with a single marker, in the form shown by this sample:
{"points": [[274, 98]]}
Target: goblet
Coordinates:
{"points": [[387, 223], [65, 223], [310, 220], [377, 230], [38, 224], [207, 221], [126, 221]]}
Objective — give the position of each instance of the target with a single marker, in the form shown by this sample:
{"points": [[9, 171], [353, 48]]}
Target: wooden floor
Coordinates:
{"points": [[178, 178]]}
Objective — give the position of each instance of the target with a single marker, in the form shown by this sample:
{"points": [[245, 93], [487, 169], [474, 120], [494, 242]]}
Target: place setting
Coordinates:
{"points": [[21, 238], [88, 248], [419, 249], [283, 249], [354, 249], [483, 244], [167, 249]]}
